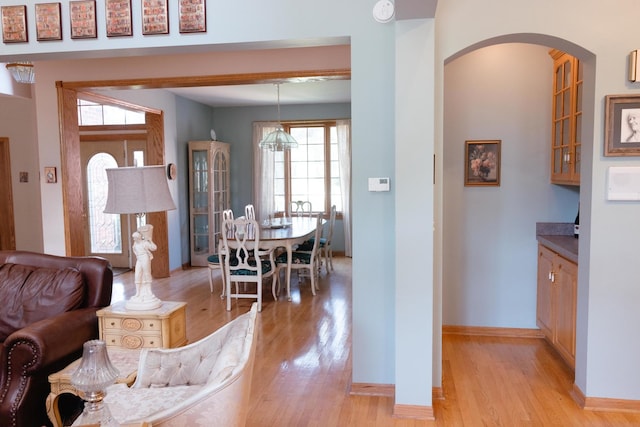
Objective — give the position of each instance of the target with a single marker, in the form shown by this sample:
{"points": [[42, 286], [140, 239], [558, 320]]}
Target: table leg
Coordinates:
{"points": [[52, 410]]}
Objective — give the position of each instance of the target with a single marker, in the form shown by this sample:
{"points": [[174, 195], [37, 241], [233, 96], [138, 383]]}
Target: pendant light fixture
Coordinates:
{"points": [[278, 140]]}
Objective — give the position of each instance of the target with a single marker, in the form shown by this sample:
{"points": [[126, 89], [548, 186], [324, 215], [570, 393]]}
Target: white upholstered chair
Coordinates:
{"points": [[206, 383], [214, 261], [247, 263]]}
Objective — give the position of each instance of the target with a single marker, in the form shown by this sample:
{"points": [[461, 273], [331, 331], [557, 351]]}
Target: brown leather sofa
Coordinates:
{"points": [[47, 311]]}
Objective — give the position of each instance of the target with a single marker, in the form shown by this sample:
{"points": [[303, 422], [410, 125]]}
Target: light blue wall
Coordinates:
{"points": [[500, 92], [372, 64], [608, 295]]}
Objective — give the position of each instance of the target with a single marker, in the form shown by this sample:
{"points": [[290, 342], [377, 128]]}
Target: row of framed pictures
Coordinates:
{"points": [[82, 16]]}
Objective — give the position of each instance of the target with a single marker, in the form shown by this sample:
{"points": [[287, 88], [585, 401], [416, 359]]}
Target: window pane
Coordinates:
{"points": [[105, 228], [304, 175]]}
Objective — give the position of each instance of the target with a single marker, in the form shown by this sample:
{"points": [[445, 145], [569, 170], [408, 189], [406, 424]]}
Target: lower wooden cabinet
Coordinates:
{"points": [[557, 298]]}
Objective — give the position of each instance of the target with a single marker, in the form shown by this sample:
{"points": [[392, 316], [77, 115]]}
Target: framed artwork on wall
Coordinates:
{"points": [[82, 14], [14, 24], [192, 16], [155, 17], [118, 16], [482, 163], [622, 125], [48, 21]]}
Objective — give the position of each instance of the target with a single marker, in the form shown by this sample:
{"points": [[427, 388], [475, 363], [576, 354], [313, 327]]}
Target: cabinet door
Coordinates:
{"points": [[567, 119], [566, 293], [200, 209], [544, 311]]}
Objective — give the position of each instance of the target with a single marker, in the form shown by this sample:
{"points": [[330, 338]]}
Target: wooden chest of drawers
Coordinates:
{"points": [[163, 327]]}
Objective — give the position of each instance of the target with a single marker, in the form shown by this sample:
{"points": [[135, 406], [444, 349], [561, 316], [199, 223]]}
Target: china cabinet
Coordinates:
{"points": [[556, 302], [566, 119], [209, 178]]}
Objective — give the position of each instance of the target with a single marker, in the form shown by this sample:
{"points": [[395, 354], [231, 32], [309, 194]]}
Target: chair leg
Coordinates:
{"points": [[312, 277], [210, 279], [224, 283]]}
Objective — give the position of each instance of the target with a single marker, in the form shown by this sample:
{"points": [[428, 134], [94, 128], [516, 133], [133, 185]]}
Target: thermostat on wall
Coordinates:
{"points": [[378, 184]]}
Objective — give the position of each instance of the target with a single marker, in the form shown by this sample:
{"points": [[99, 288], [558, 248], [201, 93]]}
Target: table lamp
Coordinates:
{"points": [[140, 190], [91, 379]]}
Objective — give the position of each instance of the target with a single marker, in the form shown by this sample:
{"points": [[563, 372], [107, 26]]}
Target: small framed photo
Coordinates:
{"points": [[48, 21], [118, 15], [482, 163], [50, 174], [24, 176], [622, 125], [155, 17], [14, 24], [192, 16], [83, 19]]}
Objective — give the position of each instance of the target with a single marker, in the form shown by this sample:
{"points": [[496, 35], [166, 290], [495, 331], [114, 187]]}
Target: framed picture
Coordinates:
{"points": [[14, 24], [50, 174], [622, 125], [155, 17], [192, 16], [118, 15], [83, 19], [48, 21], [482, 163]]}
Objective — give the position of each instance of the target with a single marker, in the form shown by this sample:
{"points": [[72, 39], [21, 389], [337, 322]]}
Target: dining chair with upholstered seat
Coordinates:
{"points": [[304, 260], [246, 263], [214, 261], [325, 251]]}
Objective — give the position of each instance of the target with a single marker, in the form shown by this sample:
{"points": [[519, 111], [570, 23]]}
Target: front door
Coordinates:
{"points": [[107, 235]]}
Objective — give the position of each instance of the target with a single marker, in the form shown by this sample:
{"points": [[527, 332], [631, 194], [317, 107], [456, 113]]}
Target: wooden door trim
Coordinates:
{"points": [[73, 203], [7, 223]]}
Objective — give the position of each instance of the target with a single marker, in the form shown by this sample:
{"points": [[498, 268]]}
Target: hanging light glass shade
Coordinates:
{"points": [[22, 72], [278, 140]]}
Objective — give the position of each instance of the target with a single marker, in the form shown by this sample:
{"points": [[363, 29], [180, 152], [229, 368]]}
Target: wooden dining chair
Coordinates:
{"points": [[302, 260], [246, 262], [250, 212], [214, 261], [301, 208]]}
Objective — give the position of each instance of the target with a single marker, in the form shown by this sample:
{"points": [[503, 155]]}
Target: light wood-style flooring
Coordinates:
{"points": [[302, 372]]}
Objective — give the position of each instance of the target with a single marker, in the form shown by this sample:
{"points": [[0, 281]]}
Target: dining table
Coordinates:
{"points": [[287, 233]]}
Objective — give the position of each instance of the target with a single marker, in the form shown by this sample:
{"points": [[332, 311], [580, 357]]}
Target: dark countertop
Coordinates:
{"points": [[559, 238], [566, 246]]}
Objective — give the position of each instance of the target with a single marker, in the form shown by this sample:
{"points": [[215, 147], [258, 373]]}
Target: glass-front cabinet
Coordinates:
{"points": [[566, 139], [209, 176]]}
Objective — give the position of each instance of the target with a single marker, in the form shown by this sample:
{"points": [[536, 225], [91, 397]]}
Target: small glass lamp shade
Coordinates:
{"points": [[278, 140], [22, 72], [91, 379]]}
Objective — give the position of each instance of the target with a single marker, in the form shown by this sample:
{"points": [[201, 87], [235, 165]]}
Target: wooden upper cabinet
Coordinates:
{"points": [[566, 119]]}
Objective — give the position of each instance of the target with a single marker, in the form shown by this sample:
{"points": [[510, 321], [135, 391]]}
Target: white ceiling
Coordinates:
{"points": [[318, 92]]}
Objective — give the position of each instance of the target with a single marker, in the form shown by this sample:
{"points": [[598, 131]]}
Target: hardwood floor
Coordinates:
{"points": [[302, 372]]}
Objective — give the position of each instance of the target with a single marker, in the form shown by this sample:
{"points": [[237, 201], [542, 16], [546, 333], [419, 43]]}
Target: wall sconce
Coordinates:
{"points": [[22, 72]]}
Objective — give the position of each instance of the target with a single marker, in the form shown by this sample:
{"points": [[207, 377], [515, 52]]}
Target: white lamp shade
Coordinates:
{"points": [[138, 190]]}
